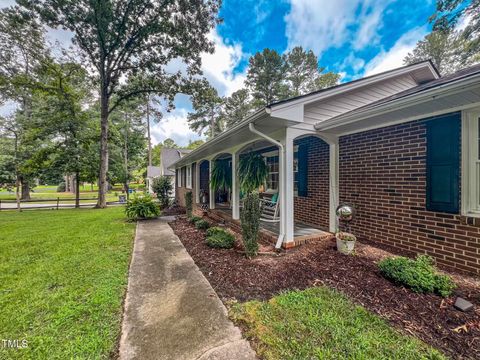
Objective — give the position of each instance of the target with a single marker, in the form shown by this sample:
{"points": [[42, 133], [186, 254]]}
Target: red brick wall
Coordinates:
{"points": [[383, 173], [181, 191], [314, 208]]}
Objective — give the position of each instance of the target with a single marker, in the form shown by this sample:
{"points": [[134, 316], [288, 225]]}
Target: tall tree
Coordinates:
{"points": [[444, 48], [128, 142], [303, 74], [265, 77], [121, 38], [60, 102], [236, 107], [449, 12], [207, 106], [22, 41]]}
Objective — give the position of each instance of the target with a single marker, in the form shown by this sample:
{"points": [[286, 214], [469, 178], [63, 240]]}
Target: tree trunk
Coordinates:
{"points": [[25, 189], [125, 154], [17, 177], [77, 189], [102, 176], [148, 132]]}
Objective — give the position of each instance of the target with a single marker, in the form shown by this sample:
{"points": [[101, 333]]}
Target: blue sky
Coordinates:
{"points": [[353, 37]]}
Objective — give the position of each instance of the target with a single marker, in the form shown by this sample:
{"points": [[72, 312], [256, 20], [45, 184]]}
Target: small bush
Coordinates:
{"points": [[162, 186], [420, 274], [194, 219], [219, 238], [189, 203], [61, 187], [141, 207], [202, 224], [250, 222]]}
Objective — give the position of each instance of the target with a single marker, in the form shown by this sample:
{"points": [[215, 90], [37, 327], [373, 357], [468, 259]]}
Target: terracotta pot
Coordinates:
{"points": [[345, 246]]}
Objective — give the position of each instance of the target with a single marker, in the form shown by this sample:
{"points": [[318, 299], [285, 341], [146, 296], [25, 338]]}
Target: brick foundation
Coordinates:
{"points": [[383, 173]]}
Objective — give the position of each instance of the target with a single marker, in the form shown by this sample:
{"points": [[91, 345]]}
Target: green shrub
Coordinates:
{"points": [[219, 238], [250, 222], [420, 274], [162, 186], [194, 219], [189, 203], [61, 187], [141, 207], [202, 224]]}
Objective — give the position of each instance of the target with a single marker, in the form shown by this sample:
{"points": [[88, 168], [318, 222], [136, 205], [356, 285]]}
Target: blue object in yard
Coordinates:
{"points": [[130, 191]]}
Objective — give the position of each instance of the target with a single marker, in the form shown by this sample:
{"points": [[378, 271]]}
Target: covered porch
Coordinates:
{"points": [[299, 187], [269, 231]]}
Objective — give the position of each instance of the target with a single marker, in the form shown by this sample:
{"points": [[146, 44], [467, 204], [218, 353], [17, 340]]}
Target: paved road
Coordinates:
{"points": [[171, 310]]}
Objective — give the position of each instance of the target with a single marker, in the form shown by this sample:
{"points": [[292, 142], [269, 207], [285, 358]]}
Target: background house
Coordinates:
{"points": [[168, 156]]}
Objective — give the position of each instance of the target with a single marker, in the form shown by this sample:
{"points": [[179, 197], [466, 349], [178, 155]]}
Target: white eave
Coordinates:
{"points": [[264, 120], [461, 93], [422, 72]]}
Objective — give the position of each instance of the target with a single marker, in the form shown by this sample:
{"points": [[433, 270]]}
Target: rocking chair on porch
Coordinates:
{"points": [[270, 209]]}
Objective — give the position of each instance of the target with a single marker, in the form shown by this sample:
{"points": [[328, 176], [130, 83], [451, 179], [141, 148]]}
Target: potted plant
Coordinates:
{"points": [[345, 242]]}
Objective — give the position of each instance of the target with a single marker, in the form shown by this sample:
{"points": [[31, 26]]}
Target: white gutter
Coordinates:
{"points": [[281, 235]]}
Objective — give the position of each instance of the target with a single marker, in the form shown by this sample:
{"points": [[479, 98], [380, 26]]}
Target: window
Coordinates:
{"points": [[295, 171], [178, 174], [189, 177], [471, 162], [272, 160], [273, 174]]}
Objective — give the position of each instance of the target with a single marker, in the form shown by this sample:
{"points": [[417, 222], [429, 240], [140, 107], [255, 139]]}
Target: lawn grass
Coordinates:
{"points": [[63, 276], [319, 323]]}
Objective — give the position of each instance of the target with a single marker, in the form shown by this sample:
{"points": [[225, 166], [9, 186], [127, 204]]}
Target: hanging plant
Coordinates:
{"points": [[252, 172], [221, 175]]}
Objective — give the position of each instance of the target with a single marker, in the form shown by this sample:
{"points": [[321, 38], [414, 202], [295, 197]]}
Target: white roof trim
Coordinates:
{"points": [[408, 100], [304, 100]]}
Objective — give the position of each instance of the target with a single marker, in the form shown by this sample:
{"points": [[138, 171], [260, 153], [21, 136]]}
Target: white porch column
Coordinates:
{"points": [[334, 184], [211, 192], [235, 188], [197, 182], [287, 208]]}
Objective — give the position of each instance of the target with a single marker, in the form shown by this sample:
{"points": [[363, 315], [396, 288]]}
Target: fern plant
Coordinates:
{"points": [[141, 207], [221, 175], [252, 172]]}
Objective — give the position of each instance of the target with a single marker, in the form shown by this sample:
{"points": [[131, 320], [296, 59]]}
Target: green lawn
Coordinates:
{"points": [[319, 323], [63, 276]]}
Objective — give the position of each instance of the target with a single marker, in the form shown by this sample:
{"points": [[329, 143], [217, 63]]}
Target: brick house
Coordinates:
{"points": [[402, 146]]}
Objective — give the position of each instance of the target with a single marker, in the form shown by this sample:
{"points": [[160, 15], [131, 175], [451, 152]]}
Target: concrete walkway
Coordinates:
{"points": [[171, 311]]}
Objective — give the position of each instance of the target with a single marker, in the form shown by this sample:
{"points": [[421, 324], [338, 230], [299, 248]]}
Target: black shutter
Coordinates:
{"points": [[303, 170], [443, 164]]}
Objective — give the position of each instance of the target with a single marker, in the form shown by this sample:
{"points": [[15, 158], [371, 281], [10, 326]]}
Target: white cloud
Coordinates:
{"points": [[321, 24], [393, 58], [174, 125], [219, 67]]}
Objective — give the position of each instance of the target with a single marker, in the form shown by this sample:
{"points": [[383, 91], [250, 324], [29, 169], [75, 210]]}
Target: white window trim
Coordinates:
{"points": [[188, 176], [179, 177], [470, 164]]}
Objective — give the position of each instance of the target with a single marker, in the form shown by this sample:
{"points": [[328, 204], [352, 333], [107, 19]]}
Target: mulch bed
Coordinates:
{"points": [[173, 210], [428, 317]]}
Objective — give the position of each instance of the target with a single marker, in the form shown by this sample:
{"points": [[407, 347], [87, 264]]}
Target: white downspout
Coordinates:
{"points": [[281, 235]]}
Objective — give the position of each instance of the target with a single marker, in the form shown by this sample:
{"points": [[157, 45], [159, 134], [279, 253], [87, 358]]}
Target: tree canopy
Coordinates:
{"points": [[122, 39]]}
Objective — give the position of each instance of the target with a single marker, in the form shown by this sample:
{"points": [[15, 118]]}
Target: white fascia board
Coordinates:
{"points": [[409, 100]]}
